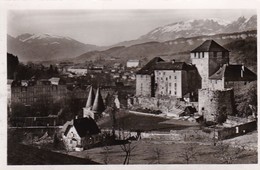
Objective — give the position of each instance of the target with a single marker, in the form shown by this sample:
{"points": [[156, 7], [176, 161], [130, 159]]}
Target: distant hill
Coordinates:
{"points": [[42, 47], [242, 45]]}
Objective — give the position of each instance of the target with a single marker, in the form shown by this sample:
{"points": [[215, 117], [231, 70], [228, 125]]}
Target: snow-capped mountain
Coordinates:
{"points": [[32, 47], [191, 28]]}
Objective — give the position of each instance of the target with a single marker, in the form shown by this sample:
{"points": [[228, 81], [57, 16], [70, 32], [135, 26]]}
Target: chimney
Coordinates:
{"points": [[173, 61]]}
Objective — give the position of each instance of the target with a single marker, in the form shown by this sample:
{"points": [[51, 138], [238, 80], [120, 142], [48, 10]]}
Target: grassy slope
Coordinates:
{"points": [[19, 154]]}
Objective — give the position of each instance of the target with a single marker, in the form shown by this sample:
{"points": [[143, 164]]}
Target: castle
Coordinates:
{"points": [[210, 77]]}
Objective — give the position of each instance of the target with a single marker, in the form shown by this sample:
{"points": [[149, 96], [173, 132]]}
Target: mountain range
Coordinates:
{"points": [[195, 27], [42, 47], [172, 39], [178, 49]]}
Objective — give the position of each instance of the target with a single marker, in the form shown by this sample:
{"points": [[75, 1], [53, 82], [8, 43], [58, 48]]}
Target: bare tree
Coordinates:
{"points": [[106, 149], [226, 154], [158, 153], [127, 148], [189, 153]]}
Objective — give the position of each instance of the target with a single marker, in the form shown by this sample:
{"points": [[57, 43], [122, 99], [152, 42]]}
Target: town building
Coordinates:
{"points": [[28, 92], [132, 63], [80, 133], [78, 70], [159, 78], [175, 79]]}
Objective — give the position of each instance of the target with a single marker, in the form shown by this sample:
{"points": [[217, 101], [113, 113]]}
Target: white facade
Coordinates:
{"points": [[78, 71], [168, 82], [132, 63]]}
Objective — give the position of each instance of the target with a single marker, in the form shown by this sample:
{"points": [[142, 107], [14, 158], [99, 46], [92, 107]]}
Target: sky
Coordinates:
{"points": [[107, 27]]}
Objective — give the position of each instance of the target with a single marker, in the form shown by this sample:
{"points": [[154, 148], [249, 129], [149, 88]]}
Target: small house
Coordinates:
{"points": [[81, 133]]}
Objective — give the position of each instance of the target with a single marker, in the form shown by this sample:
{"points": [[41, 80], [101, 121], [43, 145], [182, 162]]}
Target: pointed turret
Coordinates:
{"points": [[98, 105], [91, 98]]}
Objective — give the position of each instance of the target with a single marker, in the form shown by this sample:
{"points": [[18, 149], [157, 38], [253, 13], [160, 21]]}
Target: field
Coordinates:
{"points": [[145, 122], [146, 152]]}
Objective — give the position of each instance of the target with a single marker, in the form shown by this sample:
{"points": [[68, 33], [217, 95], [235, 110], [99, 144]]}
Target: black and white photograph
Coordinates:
{"points": [[131, 86]]}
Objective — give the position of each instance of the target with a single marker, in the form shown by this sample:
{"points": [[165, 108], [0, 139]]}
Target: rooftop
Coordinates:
{"points": [[234, 73], [150, 66], [209, 45], [173, 66]]}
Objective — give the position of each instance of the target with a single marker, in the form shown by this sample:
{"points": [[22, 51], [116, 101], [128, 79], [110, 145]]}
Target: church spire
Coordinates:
{"points": [[91, 97], [98, 105]]}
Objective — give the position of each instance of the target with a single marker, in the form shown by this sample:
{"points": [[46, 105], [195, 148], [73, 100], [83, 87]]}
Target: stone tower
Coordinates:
{"points": [[208, 58]]}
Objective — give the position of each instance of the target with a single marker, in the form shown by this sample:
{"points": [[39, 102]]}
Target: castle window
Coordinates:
{"points": [[163, 73], [175, 93], [175, 77], [170, 92], [198, 55], [202, 54], [170, 77], [166, 78]]}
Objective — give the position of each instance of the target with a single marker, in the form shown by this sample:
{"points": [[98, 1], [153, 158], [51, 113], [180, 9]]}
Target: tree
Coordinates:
{"points": [[12, 64], [127, 148], [189, 153], [158, 153], [226, 154], [222, 116], [106, 149]]}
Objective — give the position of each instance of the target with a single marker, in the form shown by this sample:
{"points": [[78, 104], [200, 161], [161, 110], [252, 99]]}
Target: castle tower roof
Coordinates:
{"points": [[91, 98], [98, 105], [210, 45]]}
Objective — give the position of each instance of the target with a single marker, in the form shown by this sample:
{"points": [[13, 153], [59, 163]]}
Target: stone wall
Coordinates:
{"points": [[214, 102], [143, 85], [163, 104]]}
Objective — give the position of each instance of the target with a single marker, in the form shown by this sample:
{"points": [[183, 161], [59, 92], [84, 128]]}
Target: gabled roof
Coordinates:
{"points": [[149, 67], [98, 105], [84, 126], [234, 73], [173, 66], [209, 45]]}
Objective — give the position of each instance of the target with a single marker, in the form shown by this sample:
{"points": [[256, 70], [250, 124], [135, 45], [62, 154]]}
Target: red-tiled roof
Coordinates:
{"points": [[234, 73], [209, 45]]}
